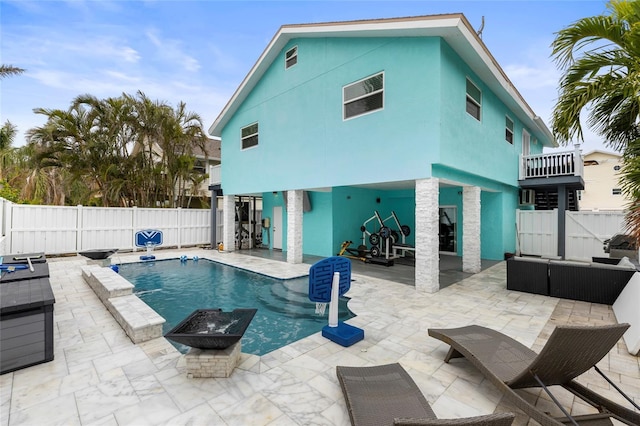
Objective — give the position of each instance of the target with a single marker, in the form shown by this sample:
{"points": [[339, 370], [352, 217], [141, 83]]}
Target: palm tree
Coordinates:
{"points": [[7, 70], [600, 57]]}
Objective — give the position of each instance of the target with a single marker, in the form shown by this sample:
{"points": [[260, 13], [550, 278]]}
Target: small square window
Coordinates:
{"points": [[291, 57], [249, 136], [509, 130], [616, 191]]}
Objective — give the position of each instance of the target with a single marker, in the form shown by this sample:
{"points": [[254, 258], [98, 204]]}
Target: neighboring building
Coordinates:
{"points": [[602, 188], [200, 197], [407, 116]]}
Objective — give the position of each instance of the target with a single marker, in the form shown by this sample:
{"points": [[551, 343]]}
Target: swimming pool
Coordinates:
{"points": [[174, 289]]}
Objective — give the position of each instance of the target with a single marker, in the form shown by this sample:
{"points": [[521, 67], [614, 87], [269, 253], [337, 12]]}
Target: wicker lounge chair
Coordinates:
{"points": [[569, 352], [386, 395]]}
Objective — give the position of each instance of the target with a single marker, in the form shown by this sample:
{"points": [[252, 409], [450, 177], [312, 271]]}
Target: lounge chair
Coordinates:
{"points": [[386, 395], [569, 352]]}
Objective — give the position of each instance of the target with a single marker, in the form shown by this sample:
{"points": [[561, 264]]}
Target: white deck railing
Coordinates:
{"points": [[566, 163]]}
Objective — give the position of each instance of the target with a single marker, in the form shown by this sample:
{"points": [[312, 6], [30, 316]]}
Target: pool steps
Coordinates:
{"points": [[137, 319], [295, 302]]}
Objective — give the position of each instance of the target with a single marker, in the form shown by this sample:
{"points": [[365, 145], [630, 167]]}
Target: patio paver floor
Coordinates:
{"points": [[99, 377]]}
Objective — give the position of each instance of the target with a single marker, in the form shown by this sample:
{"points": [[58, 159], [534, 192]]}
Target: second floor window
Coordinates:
{"points": [[249, 136], [616, 191], [509, 130], [363, 96], [474, 100], [291, 57]]}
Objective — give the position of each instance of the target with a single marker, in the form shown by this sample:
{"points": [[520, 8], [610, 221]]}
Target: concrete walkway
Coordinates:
{"points": [[98, 377]]}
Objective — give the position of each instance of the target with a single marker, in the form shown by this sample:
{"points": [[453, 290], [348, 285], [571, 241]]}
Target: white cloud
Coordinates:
{"points": [[171, 51]]}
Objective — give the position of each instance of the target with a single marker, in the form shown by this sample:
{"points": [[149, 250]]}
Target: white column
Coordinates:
{"points": [[229, 222], [294, 226], [426, 232], [471, 229]]}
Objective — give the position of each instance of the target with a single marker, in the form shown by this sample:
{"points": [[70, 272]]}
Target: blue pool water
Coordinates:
{"points": [[174, 289]]}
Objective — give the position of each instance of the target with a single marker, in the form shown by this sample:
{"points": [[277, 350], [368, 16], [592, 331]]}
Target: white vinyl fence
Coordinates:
{"points": [[63, 229], [585, 232]]}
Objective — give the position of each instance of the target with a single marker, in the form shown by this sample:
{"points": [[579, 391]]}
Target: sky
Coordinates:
{"points": [[198, 52]]}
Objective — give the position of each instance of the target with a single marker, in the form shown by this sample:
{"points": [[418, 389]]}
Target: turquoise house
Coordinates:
{"points": [[404, 131]]}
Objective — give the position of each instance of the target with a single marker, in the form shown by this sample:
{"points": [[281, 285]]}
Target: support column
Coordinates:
{"points": [[471, 229], [294, 226], [426, 232], [229, 222]]}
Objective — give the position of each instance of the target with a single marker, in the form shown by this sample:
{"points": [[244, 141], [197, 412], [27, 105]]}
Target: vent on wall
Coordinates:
{"points": [[527, 197]]}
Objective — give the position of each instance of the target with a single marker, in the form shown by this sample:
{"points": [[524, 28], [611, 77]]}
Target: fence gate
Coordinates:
{"points": [[585, 232]]}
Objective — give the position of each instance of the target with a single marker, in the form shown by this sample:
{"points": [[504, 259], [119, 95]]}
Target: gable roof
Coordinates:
{"points": [[455, 29], [601, 152]]}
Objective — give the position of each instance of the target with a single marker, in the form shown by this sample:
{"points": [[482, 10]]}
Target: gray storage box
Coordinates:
{"points": [[26, 323]]}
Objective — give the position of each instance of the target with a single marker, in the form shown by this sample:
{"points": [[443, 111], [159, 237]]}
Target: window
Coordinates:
{"points": [[291, 57], [249, 136], [616, 191], [616, 168], [474, 100], [363, 96], [509, 130]]}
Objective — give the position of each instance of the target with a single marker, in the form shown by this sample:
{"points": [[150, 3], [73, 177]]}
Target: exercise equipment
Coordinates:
{"points": [[359, 254], [380, 241], [400, 248]]}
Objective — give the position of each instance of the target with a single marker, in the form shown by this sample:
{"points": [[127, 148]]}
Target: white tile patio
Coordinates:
{"points": [[99, 377]]}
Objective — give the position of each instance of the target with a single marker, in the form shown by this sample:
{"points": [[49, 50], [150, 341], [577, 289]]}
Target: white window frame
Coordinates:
{"points": [[251, 135], [509, 131], [476, 102], [375, 92], [293, 57], [616, 191]]}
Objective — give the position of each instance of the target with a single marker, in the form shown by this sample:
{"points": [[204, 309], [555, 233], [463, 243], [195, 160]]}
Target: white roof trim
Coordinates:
{"points": [[454, 29]]}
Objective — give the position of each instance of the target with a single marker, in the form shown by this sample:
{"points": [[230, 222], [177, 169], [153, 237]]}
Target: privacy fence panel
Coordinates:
{"points": [[50, 229], [62, 229], [537, 232], [107, 228], [586, 232]]}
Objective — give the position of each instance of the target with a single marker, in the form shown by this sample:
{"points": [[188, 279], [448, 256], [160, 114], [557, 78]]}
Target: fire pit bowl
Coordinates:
{"points": [[212, 328], [97, 254]]}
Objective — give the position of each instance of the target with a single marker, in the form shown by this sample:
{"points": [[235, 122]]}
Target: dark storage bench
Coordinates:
{"points": [[26, 319]]}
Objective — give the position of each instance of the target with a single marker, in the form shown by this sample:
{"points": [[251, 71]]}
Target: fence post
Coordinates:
{"points": [[179, 220], [134, 225], [79, 228], [8, 217]]}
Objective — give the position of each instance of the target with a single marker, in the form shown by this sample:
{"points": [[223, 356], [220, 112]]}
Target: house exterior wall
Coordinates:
{"points": [[299, 112], [472, 145], [600, 180], [423, 131]]}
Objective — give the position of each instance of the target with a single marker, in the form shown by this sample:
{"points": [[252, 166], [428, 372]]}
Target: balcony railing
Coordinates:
{"points": [[215, 175], [567, 163]]}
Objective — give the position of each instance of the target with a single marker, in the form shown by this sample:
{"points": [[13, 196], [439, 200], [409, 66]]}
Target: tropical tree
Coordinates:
{"points": [[600, 58], [122, 151], [7, 70]]}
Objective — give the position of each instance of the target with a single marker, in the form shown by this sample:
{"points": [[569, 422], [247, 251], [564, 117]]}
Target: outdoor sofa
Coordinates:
{"points": [[589, 282]]}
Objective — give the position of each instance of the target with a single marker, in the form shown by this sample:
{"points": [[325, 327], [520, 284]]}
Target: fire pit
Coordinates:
{"points": [[97, 254], [212, 328]]}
